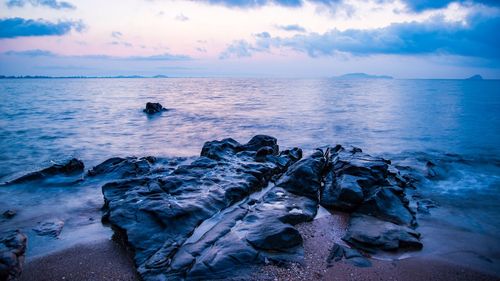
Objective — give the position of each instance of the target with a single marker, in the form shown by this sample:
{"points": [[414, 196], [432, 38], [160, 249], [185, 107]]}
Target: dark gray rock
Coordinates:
{"points": [[304, 177], [369, 233], [49, 228], [119, 168], [210, 216], [68, 168], [385, 205], [154, 107], [12, 249], [9, 214], [342, 193]]}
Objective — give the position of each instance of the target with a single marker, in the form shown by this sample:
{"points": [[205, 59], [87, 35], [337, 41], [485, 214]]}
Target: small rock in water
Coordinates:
{"points": [[12, 249], [49, 228], [154, 107], [68, 168], [9, 214]]}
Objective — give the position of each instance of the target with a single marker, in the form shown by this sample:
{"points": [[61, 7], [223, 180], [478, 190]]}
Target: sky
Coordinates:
{"points": [[255, 38]]}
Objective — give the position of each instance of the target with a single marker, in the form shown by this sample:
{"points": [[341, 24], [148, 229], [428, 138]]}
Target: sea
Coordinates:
{"points": [[452, 123]]}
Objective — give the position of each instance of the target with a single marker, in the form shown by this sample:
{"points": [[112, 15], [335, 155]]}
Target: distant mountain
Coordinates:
{"points": [[475, 77], [363, 76]]}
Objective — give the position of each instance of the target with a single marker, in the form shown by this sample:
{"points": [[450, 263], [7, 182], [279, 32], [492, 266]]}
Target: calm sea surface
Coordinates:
{"points": [[411, 121]]}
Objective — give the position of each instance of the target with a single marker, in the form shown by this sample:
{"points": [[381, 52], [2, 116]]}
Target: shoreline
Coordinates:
{"points": [[109, 260]]}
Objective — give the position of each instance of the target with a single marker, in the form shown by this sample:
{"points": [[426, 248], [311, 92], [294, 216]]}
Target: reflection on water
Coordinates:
{"points": [[410, 120]]}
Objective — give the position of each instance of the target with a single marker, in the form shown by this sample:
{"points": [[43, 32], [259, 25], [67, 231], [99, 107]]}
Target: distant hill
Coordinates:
{"points": [[363, 76], [475, 77]]}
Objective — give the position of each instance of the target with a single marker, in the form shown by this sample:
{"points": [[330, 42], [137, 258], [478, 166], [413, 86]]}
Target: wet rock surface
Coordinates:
{"points": [[153, 108], [235, 207], [12, 249], [68, 168]]}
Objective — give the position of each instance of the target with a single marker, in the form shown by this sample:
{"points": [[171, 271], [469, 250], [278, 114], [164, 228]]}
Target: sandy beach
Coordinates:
{"points": [[108, 260]]}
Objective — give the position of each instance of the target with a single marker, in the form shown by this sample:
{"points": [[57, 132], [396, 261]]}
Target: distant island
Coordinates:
{"points": [[475, 77], [80, 77], [363, 76]]}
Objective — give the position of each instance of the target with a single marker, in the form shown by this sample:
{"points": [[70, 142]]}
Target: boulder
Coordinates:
{"points": [[153, 108], [203, 218], [385, 205], [304, 177], [12, 249], [370, 234], [119, 168]]}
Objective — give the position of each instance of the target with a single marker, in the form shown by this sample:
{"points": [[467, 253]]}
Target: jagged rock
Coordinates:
{"points": [[154, 107], [9, 214], [68, 168], [49, 228], [12, 249], [236, 205], [207, 217], [384, 204], [123, 167], [369, 233], [304, 177], [343, 193]]}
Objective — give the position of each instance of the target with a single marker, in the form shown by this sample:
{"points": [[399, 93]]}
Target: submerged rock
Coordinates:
{"points": [[49, 228], [153, 107], [9, 214], [68, 168], [12, 249]]}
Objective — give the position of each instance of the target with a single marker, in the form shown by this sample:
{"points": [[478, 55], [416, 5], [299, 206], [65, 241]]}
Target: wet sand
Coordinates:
{"points": [[104, 260], [108, 260], [320, 236]]}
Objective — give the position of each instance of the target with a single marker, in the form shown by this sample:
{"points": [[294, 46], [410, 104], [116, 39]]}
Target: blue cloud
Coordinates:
{"points": [[421, 5], [116, 34], [476, 39], [31, 53], [17, 27], [413, 5], [53, 4], [291, 27], [45, 53], [238, 49]]}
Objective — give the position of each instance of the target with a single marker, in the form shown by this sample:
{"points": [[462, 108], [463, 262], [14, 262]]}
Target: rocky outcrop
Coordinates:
{"points": [[153, 108], [69, 168], [235, 206], [12, 249], [374, 191], [219, 213]]}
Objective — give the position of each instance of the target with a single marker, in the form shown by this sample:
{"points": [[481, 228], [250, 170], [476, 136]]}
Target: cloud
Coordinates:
{"points": [[53, 4], [45, 53], [17, 27], [238, 49], [116, 34], [31, 53], [474, 39], [181, 17], [291, 27], [254, 3], [422, 5]]}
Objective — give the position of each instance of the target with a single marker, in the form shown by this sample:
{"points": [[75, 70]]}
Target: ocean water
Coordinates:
{"points": [[454, 123]]}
